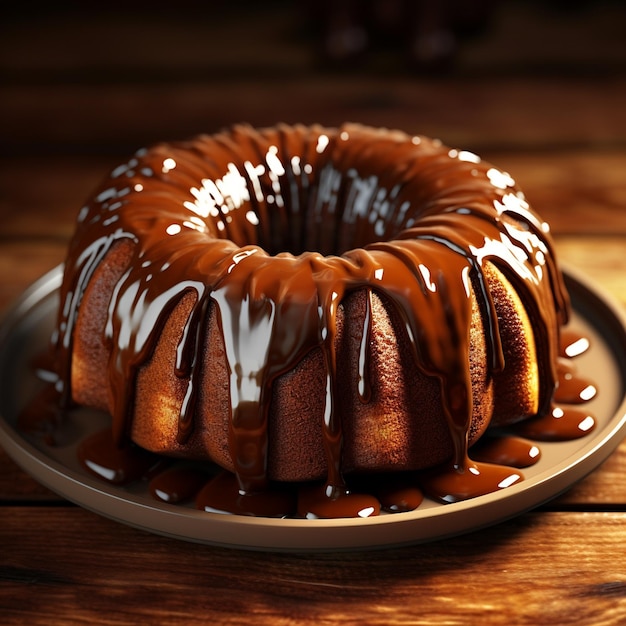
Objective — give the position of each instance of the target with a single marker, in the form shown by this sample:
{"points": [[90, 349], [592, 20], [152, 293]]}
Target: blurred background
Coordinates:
{"points": [[76, 77], [536, 87]]}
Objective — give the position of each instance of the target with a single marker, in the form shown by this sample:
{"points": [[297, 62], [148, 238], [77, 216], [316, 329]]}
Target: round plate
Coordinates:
{"points": [[26, 331]]}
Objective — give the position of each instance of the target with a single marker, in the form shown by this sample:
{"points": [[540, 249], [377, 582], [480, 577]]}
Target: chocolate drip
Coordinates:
{"points": [[119, 466], [363, 386], [177, 484], [273, 228], [506, 450]]}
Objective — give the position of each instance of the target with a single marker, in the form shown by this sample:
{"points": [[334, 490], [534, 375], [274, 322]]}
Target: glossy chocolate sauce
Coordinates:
{"points": [[178, 484], [506, 450], [499, 452], [273, 228], [119, 465]]}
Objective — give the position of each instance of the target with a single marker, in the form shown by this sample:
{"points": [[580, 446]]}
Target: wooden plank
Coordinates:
{"points": [[23, 262], [17, 486], [41, 196], [604, 488], [544, 568], [516, 113], [601, 258], [578, 192]]}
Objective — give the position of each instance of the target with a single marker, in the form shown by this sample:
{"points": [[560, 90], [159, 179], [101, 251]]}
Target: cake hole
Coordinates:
{"points": [[327, 211]]}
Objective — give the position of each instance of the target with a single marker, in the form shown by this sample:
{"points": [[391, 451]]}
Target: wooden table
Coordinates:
{"points": [[82, 91]]}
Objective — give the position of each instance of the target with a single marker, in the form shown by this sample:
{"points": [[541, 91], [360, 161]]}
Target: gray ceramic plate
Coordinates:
{"points": [[26, 330]]}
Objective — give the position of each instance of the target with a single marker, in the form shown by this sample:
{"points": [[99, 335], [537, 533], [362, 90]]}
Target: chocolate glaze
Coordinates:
{"points": [[470, 481], [223, 494], [573, 389], [177, 484], [119, 465], [42, 416], [324, 501], [506, 450], [273, 228], [494, 458], [572, 344], [560, 424]]}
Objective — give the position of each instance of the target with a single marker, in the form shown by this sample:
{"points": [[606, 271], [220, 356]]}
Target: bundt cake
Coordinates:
{"points": [[306, 303]]}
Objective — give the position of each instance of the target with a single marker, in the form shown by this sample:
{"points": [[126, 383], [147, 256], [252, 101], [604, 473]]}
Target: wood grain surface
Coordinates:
{"points": [[540, 91]]}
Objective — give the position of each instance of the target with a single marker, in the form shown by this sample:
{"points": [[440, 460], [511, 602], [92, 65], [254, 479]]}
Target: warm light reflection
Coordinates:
{"points": [[240, 256], [195, 224], [516, 203], [425, 272], [587, 424], [578, 347], [505, 250], [499, 179], [465, 277], [509, 480], [295, 165], [366, 512], [273, 162], [468, 157], [221, 195], [588, 392], [254, 174], [322, 142], [168, 165]]}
